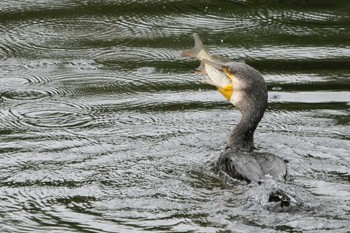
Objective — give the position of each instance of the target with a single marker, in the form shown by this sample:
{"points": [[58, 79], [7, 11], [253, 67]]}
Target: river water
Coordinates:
{"points": [[104, 128]]}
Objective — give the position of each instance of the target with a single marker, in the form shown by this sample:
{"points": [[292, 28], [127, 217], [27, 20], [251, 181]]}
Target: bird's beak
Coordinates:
{"points": [[224, 68]]}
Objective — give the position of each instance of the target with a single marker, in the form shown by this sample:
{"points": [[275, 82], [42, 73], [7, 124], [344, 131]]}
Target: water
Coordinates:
{"points": [[104, 128]]}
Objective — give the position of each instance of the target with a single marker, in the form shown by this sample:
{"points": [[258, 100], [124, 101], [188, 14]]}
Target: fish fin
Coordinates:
{"points": [[198, 46], [201, 68], [200, 71], [209, 81]]}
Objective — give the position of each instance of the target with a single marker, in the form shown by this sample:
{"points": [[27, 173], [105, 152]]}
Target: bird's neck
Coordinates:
{"points": [[242, 136]]}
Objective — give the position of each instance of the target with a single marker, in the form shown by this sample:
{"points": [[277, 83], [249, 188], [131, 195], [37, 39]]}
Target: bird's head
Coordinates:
{"points": [[248, 90]]}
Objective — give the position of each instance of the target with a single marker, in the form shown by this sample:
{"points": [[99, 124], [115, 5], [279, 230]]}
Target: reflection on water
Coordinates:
{"points": [[104, 128]]}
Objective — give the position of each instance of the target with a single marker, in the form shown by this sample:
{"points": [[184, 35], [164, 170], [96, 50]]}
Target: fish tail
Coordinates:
{"points": [[198, 47]]}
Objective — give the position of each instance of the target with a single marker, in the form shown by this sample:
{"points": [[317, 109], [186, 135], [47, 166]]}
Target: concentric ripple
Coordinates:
{"points": [[52, 115], [33, 36], [25, 95]]}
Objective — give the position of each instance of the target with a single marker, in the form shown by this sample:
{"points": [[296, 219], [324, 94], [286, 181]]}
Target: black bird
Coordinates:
{"points": [[245, 88]]}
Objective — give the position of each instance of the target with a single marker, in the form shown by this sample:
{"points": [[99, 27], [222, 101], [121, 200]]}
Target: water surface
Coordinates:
{"points": [[104, 128]]}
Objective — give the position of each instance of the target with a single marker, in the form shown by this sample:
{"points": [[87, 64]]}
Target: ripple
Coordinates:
{"points": [[295, 78], [310, 97], [38, 37], [26, 7], [7, 66], [321, 18], [11, 83], [131, 57], [85, 65], [42, 64], [75, 81], [284, 122], [123, 124], [52, 115], [133, 119], [37, 80], [25, 95], [9, 121], [288, 53], [48, 206], [146, 70]]}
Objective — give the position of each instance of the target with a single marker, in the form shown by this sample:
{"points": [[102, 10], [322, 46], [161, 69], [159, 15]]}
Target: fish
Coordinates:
{"points": [[219, 77]]}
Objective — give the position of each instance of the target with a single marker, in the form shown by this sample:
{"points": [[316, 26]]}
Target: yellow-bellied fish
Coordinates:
{"points": [[219, 76]]}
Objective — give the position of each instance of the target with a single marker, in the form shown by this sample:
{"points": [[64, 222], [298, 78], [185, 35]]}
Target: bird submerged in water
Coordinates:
{"points": [[245, 88]]}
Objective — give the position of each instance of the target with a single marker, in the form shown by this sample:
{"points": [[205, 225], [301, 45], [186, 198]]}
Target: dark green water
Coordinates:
{"points": [[104, 128]]}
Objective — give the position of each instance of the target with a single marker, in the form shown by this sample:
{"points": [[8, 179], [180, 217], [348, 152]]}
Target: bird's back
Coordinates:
{"points": [[251, 166]]}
